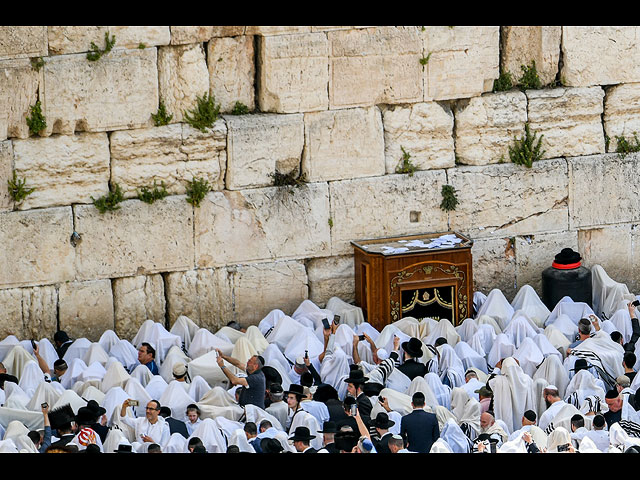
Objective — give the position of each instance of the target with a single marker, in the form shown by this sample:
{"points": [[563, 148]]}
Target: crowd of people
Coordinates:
{"points": [[515, 377]]}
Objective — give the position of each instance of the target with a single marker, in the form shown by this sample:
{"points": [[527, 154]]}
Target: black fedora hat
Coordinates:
{"points": [[567, 256], [382, 421], [356, 377], [413, 347], [329, 427], [302, 433], [96, 408], [295, 389], [581, 364], [270, 445]]}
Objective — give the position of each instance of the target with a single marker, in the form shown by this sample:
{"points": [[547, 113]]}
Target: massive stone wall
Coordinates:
{"points": [[336, 104]]}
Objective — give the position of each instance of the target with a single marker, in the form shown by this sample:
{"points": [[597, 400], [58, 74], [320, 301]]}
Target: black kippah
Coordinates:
{"points": [[612, 394], [530, 415]]}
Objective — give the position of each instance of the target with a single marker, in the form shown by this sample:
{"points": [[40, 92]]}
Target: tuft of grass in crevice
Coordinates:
{"points": [[406, 165], [18, 190], [625, 147], [526, 149], [197, 189], [110, 201], [529, 79], [151, 194], [449, 198], [94, 54], [204, 114], [36, 121], [239, 108], [162, 117]]}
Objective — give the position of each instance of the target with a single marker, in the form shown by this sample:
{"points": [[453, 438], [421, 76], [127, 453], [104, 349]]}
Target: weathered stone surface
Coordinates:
{"points": [[277, 30], [21, 41], [29, 312], [535, 253], [18, 92], [522, 45], [6, 173], [36, 247], [331, 277], [78, 38], [118, 91], [293, 73], [375, 65], [173, 154], [494, 265], [424, 130], [260, 288], [137, 239], [342, 144], [506, 199], [140, 36], [204, 295], [194, 34], [570, 119], [596, 197], [616, 51], [486, 127], [136, 300], [461, 61], [385, 206], [63, 169], [622, 114], [260, 145], [262, 224], [86, 308], [232, 71], [616, 248], [182, 78]]}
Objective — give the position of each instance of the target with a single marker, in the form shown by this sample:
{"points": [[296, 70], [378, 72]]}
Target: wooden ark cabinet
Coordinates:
{"points": [[398, 277]]}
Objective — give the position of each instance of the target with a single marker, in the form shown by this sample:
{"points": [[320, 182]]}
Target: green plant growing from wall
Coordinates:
{"points": [[290, 179], [36, 121], [37, 63], [204, 114], [529, 78], [503, 83], [151, 194], [406, 165], [110, 201], [17, 188], [95, 53], [197, 189], [624, 146], [239, 109], [425, 60], [142, 46], [449, 198], [527, 149], [162, 117]]}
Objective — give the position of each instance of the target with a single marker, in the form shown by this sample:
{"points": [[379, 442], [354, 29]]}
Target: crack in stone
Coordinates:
{"points": [[556, 204]]}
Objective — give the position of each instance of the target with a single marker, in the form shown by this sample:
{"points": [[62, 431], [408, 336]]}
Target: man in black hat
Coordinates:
{"points": [[301, 440], [419, 428], [614, 401], [355, 382], [294, 397], [62, 421], [412, 367], [329, 430], [89, 415], [382, 424]]}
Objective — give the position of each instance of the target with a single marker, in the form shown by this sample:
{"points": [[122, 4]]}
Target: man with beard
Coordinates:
{"points": [[554, 403]]}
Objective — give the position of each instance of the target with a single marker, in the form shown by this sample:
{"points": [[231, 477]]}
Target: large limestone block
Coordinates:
{"points": [[136, 239], [78, 38], [341, 144], [603, 190], [232, 71], [374, 66], [486, 126], [494, 265], [194, 34], [614, 47], [29, 312], [136, 300], [505, 199], [18, 93], [260, 145], [63, 169], [331, 277], [173, 154], [118, 91], [570, 119], [6, 173], [385, 206], [86, 308], [262, 224], [293, 73], [21, 41], [616, 248], [261, 288], [182, 78], [424, 130], [36, 247], [461, 62], [524, 44], [535, 253], [204, 296], [622, 113]]}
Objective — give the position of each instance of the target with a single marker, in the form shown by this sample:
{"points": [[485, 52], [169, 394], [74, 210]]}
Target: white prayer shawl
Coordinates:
{"points": [[16, 397], [630, 418], [588, 446], [566, 325], [620, 438], [25, 444], [185, 328], [558, 339], [529, 356], [385, 339], [6, 345], [177, 399], [546, 347], [350, 314], [176, 444], [108, 339], [239, 439], [478, 299], [604, 354], [95, 353], [444, 329], [471, 386], [559, 436], [114, 438], [94, 372], [490, 321], [198, 388], [136, 391], [317, 409], [519, 328], [142, 374], [334, 369], [441, 391], [229, 334], [467, 329], [16, 360], [426, 326], [77, 350], [112, 403], [212, 438], [31, 419], [583, 385], [203, 342], [207, 367], [115, 376], [305, 340], [398, 402], [528, 301], [502, 348], [497, 307], [307, 310], [512, 394], [31, 378], [545, 419], [267, 324], [410, 326], [622, 323], [443, 415], [574, 310], [419, 384], [440, 446], [455, 437], [467, 411], [606, 292], [255, 337], [45, 393], [274, 357], [343, 339], [513, 445], [125, 353], [470, 358], [76, 367], [305, 419], [15, 429], [157, 336], [91, 392], [552, 370], [8, 446], [48, 352], [450, 366], [482, 340], [367, 328]]}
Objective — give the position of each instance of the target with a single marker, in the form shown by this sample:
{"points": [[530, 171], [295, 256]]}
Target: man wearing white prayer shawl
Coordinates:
{"points": [[603, 354], [497, 307], [512, 393], [151, 428], [554, 404], [530, 303]]}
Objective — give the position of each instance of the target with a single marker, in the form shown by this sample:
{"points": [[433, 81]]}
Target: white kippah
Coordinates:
{"points": [[382, 354]]}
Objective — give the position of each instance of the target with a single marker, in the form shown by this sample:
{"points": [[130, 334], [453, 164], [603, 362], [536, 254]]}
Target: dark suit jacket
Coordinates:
{"points": [[177, 426], [412, 369], [382, 445], [364, 408], [420, 429]]}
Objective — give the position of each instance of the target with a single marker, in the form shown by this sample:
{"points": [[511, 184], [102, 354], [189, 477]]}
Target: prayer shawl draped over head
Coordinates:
{"points": [[513, 394], [607, 293], [497, 307], [603, 354], [528, 301]]}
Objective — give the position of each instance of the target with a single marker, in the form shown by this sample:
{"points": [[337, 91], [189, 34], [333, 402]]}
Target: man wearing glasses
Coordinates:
{"points": [[152, 428]]}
